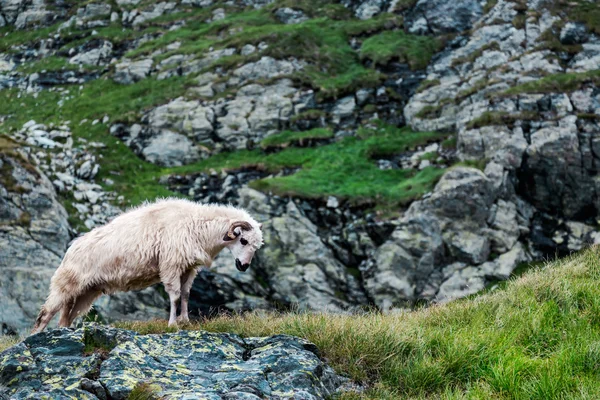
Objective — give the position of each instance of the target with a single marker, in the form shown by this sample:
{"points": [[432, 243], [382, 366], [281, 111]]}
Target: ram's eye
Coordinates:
{"points": [[243, 241]]}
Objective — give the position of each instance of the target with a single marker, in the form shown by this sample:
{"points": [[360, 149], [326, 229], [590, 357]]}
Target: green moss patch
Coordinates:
{"points": [[490, 118], [414, 50], [427, 84], [556, 83], [285, 138]]}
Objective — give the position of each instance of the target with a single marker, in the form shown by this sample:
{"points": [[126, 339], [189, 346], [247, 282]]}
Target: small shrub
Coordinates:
{"points": [[427, 84], [414, 50], [144, 391], [285, 138], [500, 118]]}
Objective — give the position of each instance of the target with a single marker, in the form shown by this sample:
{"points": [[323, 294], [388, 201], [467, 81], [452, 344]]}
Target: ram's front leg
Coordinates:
{"points": [[173, 289], [187, 280]]}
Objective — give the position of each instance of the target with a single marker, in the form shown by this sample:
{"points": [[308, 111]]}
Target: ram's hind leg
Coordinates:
{"points": [[83, 303], [64, 313]]}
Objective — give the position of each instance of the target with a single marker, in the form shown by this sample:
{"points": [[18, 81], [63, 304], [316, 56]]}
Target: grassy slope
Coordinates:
{"points": [[335, 69], [537, 337]]}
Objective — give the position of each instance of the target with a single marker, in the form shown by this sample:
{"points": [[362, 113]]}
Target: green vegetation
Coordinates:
{"points": [[489, 5], [427, 84], [549, 40], [8, 341], [534, 338], [477, 87], [11, 37], [345, 169], [403, 5], [135, 179], [519, 21], [490, 118], [587, 12], [52, 63], [414, 50], [308, 115], [450, 142], [145, 391], [285, 138], [430, 112], [333, 69], [557, 83]]}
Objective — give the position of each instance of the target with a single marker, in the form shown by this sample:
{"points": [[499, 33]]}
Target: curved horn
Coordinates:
{"points": [[238, 224]]}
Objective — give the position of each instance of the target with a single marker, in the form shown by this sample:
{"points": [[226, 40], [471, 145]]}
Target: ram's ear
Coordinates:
{"points": [[259, 226], [227, 238]]}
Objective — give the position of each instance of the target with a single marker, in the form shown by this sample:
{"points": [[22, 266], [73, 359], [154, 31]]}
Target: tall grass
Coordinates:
{"points": [[8, 341], [536, 338]]}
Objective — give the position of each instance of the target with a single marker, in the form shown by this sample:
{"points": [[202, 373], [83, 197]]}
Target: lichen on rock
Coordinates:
{"points": [[99, 362]]}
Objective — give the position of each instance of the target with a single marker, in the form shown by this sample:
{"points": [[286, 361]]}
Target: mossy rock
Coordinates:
{"points": [[96, 361]]}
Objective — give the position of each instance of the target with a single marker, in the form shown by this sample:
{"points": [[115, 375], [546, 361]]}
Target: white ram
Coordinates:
{"points": [[160, 242]]}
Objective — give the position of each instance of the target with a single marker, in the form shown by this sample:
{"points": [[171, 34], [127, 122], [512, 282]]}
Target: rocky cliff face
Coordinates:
{"points": [[33, 236], [396, 151]]}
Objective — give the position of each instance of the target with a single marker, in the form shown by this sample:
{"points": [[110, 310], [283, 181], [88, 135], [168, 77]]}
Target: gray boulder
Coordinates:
{"points": [[29, 18], [170, 149], [172, 134], [553, 177], [198, 3], [439, 16], [267, 68], [189, 118], [461, 194], [401, 269], [139, 305], [441, 248], [100, 362], [34, 233], [95, 52], [573, 33], [460, 280], [343, 109], [497, 143], [301, 270], [366, 9], [94, 11], [26, 13], [152, 10], [196, 128], [296, 269], [128, 72], [10, 9], [290, 16]]}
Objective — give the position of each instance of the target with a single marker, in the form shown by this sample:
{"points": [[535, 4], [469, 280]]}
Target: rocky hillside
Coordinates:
{"points": [[396, 151]]}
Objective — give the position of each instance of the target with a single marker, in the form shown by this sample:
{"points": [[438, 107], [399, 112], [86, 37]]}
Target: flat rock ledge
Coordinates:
{"points": [[100, 362]]}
